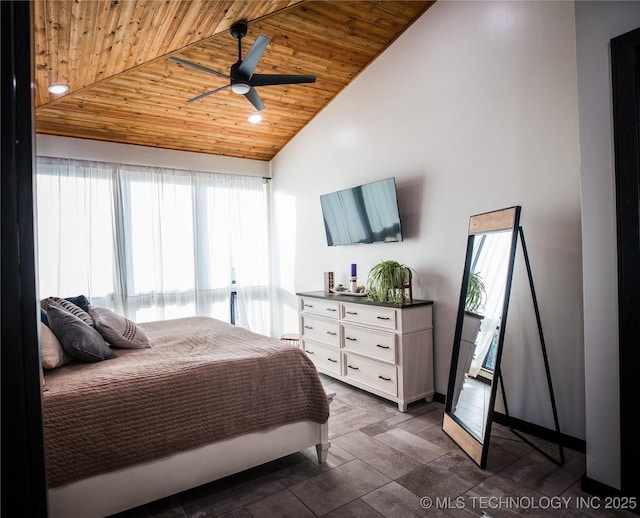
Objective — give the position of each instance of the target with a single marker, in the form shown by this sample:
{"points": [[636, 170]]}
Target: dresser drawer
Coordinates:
{"points": [[377, 344], [369, 315], [324, 308], [321, 330], [324, 356], [378, 375]]}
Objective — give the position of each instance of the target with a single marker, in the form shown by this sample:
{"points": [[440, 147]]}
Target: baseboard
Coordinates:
{"points": [[573, 443], [541, 432], [596, 488], [611, 497], [439, 398]]}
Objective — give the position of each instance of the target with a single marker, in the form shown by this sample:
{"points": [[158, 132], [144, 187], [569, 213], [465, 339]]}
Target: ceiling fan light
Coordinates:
{"points": [[240, 88], [255, 118], [58, 89]]}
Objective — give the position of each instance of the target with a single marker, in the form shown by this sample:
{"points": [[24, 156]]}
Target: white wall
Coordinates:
{"points": [[473, 109], [596, 24], [85, 149]]}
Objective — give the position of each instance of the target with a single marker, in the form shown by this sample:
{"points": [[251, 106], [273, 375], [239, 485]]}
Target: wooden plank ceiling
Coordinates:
{"points": [[113, 55]]}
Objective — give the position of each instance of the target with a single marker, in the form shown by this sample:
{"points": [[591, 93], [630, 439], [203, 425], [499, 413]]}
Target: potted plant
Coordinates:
{"points": [[474, 301], [388, 281], [476, 293]]}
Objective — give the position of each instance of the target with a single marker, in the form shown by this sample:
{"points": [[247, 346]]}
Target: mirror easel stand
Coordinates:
{"points": [[500, 379]]}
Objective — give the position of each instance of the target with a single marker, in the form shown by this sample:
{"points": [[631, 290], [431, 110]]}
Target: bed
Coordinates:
{"points": [[207, 400]]}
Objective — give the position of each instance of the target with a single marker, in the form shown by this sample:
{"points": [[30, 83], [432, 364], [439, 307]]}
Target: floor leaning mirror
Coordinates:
{"points": [[480, 325], [479, 337]]}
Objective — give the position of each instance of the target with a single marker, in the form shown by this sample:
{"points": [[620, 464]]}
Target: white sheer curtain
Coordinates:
{"points": [[155, 243], [492, 264], [75, 230]]}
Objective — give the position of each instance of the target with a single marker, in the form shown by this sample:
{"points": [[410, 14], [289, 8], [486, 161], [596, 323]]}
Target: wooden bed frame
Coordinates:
{"points": [[123, 489]]}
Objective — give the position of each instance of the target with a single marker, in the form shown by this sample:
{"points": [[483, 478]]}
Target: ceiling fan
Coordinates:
{"points": [[241, 78]]}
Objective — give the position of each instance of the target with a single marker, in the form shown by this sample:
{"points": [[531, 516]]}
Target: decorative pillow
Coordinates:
{"points": [[118, 330], [81, 301], [52, 353], [69, 307], [78, 340], [43, 317]]}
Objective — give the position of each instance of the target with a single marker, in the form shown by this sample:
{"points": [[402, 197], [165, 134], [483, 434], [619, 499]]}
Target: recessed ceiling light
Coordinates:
{"points": [[255, 118], [58, 89]]}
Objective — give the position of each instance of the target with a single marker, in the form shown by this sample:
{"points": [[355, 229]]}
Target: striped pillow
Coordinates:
{"points": [[69, 307]]}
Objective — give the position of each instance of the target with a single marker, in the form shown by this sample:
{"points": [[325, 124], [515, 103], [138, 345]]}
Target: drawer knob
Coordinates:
{"points": [[382, 346], [383, 378], [308, 305], [332, 360], [310, 352], [354, 368], [383, 318], [331, 333], [330, 309], [351, 312], [351, 339], [308, 327]]}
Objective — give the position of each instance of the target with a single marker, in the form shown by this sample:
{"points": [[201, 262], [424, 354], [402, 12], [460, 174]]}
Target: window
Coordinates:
{"points": [[154, 243]]}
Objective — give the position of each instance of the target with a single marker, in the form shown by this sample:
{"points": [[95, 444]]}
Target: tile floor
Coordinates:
{"points": [[381, 463]]}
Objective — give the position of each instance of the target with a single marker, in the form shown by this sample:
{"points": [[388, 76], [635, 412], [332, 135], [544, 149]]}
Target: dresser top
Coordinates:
{"points": [[353, 299]]}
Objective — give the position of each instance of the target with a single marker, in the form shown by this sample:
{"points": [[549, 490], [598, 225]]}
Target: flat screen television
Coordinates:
{"points": [[364, 214]]}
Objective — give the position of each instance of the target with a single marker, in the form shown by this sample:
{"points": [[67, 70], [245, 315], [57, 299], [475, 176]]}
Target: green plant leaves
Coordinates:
{"points": [[386, 282], [476, 293]]}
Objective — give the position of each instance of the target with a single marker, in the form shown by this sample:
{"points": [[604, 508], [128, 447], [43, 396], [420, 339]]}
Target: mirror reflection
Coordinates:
{"points": [[478, 346]]}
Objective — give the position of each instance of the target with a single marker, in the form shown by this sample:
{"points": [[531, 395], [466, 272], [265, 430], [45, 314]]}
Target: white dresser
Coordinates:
{"points": [[382, 348]]}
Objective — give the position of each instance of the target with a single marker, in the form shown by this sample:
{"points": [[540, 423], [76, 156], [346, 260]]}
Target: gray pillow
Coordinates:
{"points": [[79, 340], [118, 330]]}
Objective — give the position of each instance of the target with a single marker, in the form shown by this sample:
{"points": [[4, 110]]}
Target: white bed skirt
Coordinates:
{"points": [[116, 491]]}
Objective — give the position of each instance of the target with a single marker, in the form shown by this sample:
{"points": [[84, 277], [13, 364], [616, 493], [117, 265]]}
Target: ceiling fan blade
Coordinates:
{"points": [[197, 67], [280, 79], [254, 99], [206, 94], [250, 62]]}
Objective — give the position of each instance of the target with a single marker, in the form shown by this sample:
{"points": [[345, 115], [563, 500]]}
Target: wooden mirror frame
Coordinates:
{"points": [[497, 221]]}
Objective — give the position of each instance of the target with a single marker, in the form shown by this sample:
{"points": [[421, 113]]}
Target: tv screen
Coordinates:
{"points": [[364, 214]]}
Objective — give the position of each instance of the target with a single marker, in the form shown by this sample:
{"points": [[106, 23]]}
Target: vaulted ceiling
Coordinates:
{"points": [[113, 55]]}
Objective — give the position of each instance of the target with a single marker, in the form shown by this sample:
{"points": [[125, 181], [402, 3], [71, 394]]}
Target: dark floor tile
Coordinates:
{"points": [[335, 457], [501, 497], [539, 473], [411, 445], [395, 501], [215, 499], [239, 512], [378, 455], [376, 428], [348, 421], [170, 507], [297, 469], [424, 421], [335, 488], [355, 509], [436, 435], [280, 505], [339, 407], [504, 451], [450, 475], [374, 406]]}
